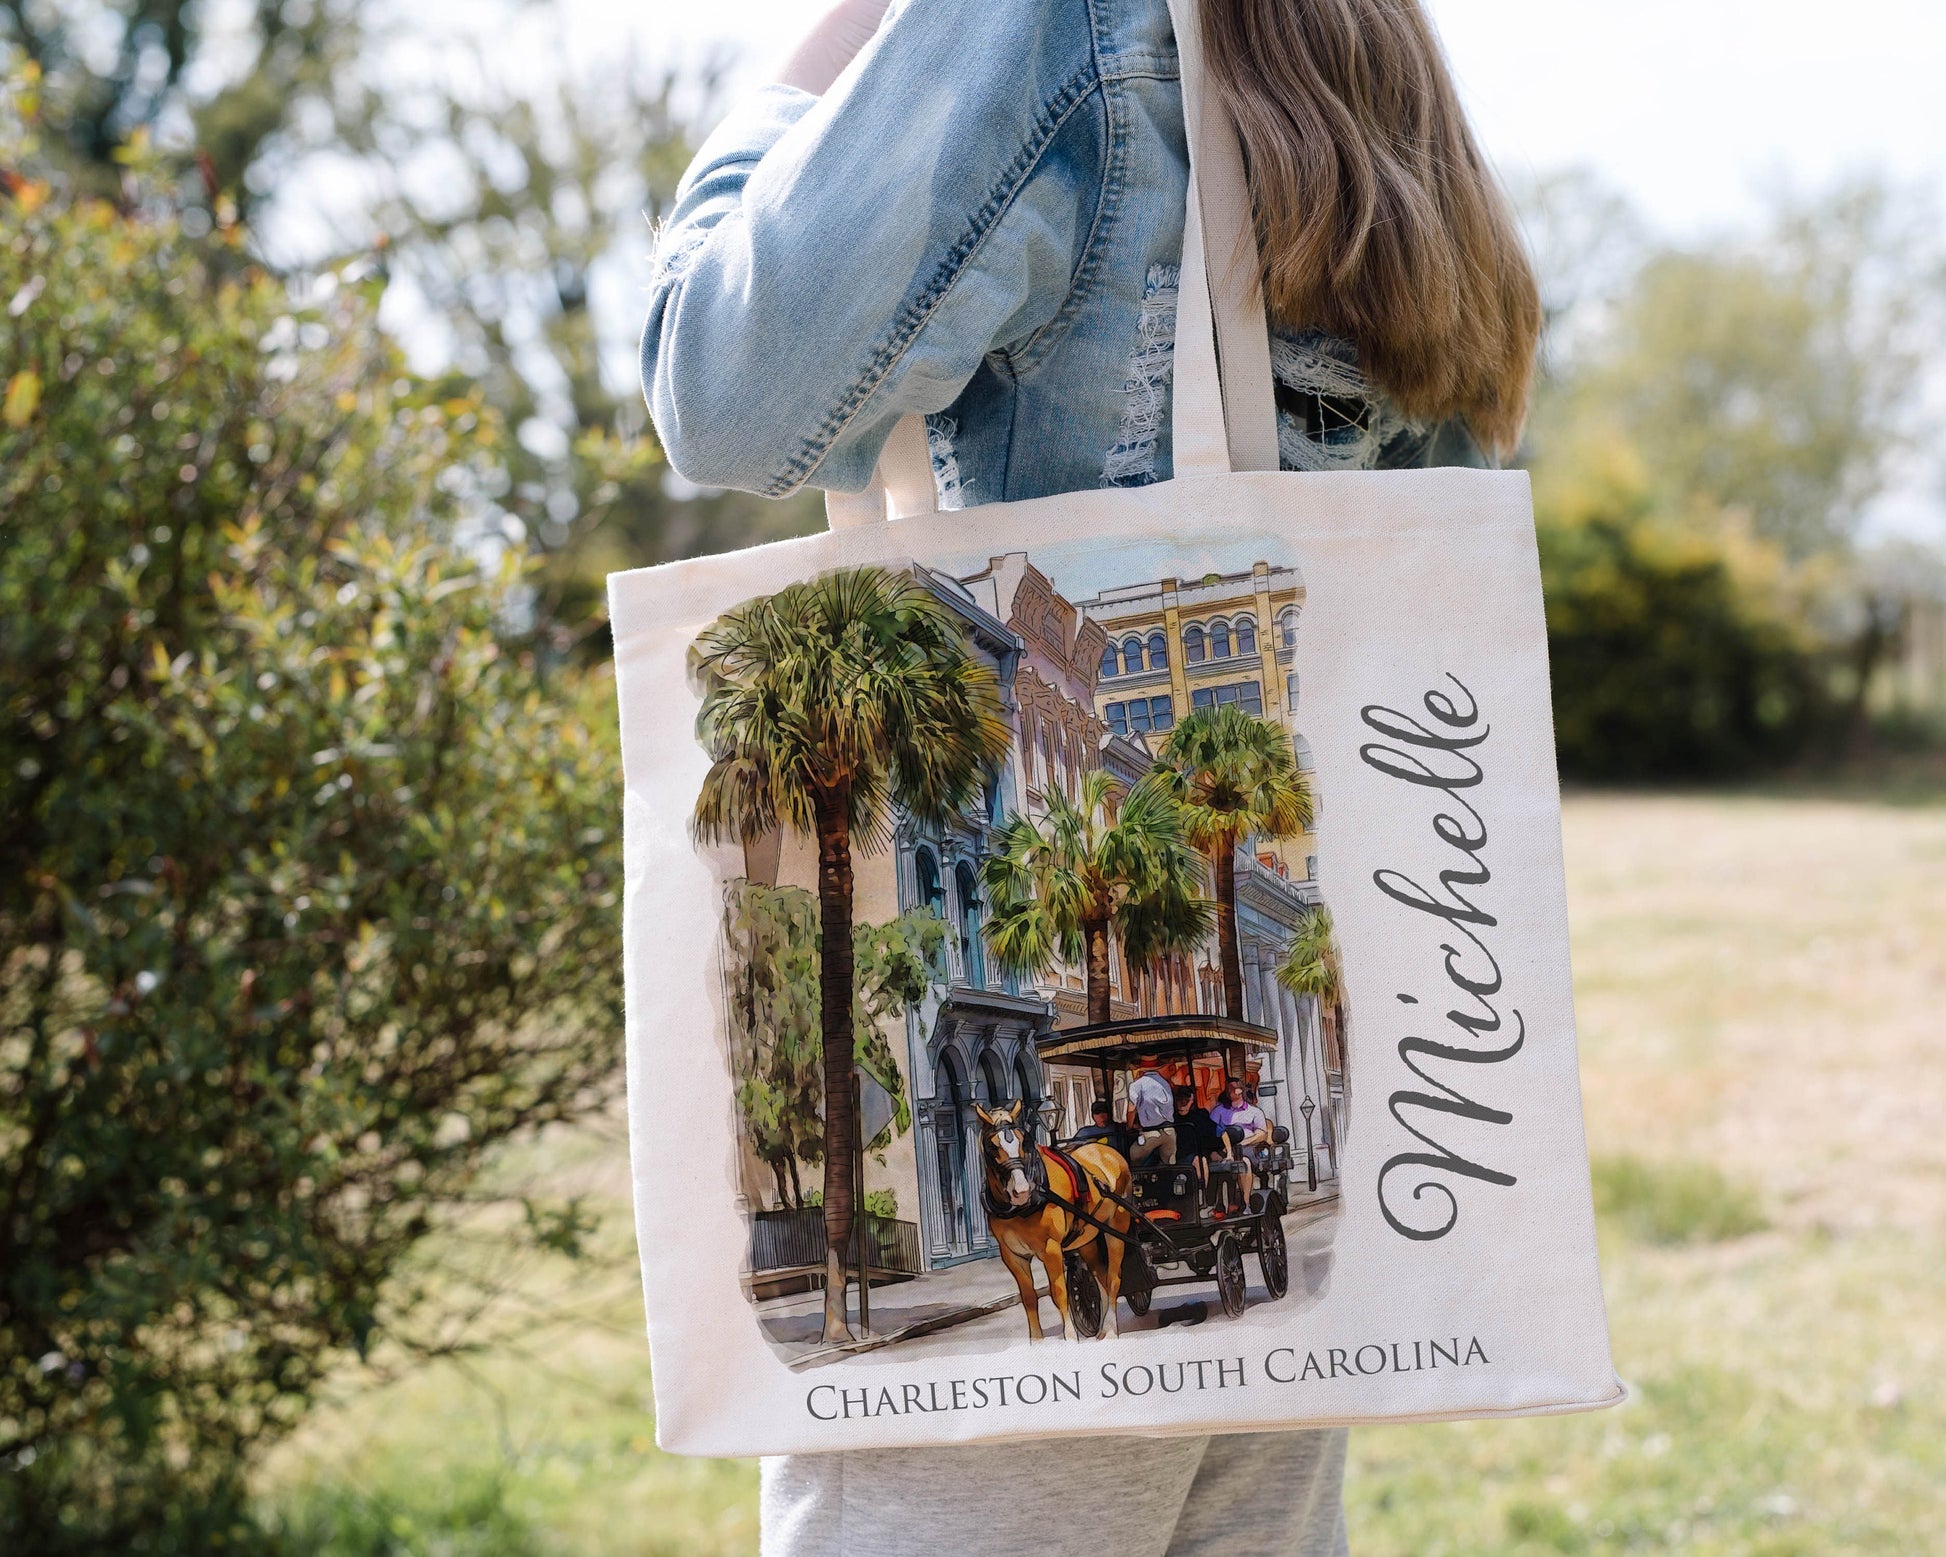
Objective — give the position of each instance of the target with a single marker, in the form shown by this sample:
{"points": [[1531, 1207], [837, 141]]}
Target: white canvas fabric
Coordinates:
{"points": [[1445, 1267]]}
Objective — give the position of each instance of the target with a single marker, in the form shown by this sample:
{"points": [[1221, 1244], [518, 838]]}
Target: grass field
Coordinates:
{"points": [[1762, 996]]}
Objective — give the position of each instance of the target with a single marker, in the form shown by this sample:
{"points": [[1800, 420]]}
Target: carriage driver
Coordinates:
{"points": [[1151, 1116]]}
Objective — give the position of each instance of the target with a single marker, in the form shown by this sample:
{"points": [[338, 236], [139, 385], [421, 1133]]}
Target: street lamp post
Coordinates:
{"points": [[1307, 1108]]}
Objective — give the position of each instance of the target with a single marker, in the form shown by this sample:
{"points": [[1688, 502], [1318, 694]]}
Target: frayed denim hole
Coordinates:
{"points": [[940, 433], [1145, 392]]}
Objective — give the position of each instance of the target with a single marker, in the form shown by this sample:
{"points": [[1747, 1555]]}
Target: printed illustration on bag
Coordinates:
{"points": [[1030, 1004]]}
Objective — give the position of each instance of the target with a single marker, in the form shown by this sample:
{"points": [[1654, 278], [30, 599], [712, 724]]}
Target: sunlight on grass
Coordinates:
{"points": [[1674, 1202]]}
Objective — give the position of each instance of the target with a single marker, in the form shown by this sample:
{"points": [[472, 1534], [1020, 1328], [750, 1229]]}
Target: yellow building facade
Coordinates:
{"points": [[1174, 645]]}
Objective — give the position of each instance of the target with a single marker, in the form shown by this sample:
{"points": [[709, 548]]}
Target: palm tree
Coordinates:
{"points": [[826, 705], [1234, 777], [1311, 967], [1059, 885]]}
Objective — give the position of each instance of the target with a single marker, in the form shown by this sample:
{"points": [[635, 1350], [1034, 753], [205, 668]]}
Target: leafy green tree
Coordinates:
{"points": [[1678, 645], [1312, 966], [1234, 777], [308, 883], [1063, 884], [771, 936], [826, 706]]}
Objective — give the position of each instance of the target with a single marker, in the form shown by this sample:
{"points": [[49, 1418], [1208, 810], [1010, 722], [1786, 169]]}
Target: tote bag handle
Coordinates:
{"points": [[1223, 416]]}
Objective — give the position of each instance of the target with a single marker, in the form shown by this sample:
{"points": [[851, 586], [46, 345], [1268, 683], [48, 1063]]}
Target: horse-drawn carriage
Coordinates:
{"points": [[1134, 1228]]}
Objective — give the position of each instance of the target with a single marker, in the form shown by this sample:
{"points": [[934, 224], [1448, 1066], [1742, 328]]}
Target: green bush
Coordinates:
{"points": [[1676, 649], [1674, 1202], [309, 886]]}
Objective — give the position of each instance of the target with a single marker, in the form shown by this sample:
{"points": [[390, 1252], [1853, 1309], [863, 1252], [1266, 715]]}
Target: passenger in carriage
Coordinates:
{"points": [[1197, 1135], [1103, 1128], [1243, 1121]]}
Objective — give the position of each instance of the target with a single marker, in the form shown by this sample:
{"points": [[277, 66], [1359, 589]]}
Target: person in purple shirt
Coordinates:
{"points": [[1246, 1126]]}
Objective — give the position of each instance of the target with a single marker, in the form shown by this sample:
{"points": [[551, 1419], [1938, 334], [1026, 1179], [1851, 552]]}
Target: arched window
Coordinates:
{"points": [[926, 868], [972, 947], [951, 1124], [1158, 652], [1219, 640], [1194, 647], [1287, 629], [993, 1077], [1110, 666], [1246, 635], [1131, 656]]}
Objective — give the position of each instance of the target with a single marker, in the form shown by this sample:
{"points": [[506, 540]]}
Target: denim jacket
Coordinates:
{"points": [[980, 222]]}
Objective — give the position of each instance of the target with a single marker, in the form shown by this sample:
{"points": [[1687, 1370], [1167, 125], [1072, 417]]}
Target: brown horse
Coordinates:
{"points": [[1030, 1227]]}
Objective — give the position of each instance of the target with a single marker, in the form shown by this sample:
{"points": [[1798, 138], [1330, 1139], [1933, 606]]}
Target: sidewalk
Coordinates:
{"points": [[957, 1295], [937, 1300]]}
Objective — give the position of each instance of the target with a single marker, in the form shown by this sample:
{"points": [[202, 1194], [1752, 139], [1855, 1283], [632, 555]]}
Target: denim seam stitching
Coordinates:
{"points": [[1035, 349], [912, 318]]}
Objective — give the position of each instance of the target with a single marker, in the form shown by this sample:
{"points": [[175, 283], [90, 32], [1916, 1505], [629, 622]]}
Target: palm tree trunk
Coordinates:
{"points": [[1096, 933], [835, 1025], [1226, 929]]}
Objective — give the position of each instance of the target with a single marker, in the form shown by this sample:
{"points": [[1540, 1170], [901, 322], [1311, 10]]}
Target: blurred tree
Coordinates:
{"points": [[308, 885], [1677, 642], [1587, 243], [512, 204], [1781, 375], [113, 68], [506, 186]]}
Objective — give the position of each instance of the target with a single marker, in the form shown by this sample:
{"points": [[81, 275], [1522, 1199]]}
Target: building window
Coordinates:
{"points": [[1110, 666], [1132, 657], [1194, 648], [972, 948], [1310, 867], [1219, 640], [1246, 636], [1141, 715], [930, 894], [1287, 629], [1158, 652], [1290, 691], [1247, 695]]}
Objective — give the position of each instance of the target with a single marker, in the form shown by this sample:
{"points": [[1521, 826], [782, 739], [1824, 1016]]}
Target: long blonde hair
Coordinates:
{"points": [[1377, 217]]}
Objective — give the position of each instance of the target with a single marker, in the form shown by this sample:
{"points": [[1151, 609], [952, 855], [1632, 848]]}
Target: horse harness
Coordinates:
{"points": [[1041, 1193]]}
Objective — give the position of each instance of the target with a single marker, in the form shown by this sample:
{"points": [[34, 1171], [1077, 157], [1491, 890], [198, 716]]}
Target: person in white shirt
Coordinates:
{"points": [[1151, 1116]]}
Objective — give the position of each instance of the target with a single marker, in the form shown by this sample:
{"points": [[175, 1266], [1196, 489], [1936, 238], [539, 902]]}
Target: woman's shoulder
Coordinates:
{"points": [[1112, 37]]}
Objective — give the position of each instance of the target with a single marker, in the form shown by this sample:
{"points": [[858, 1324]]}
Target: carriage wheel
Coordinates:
{"points": [[1138, 1279], [1272, 1254], [1231, 1283], [1084, 1297]]}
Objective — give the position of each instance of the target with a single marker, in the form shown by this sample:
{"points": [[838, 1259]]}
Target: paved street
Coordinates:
{"points": [[978, 1304]]}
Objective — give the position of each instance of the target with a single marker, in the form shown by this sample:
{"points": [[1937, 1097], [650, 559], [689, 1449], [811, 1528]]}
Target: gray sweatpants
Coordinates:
{"points": [[1238, 1495]]}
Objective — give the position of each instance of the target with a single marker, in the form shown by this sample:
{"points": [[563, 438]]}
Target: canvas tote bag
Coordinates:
{"points": [[1387, 976]]}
